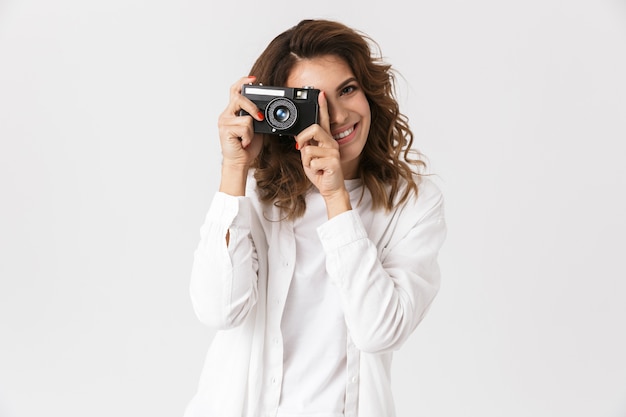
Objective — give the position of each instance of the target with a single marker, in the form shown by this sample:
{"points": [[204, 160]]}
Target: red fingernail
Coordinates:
{"points": [[297, 146], [260, 115]]}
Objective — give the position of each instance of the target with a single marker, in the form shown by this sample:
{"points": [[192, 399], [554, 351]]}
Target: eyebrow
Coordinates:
{"points": [[346, 82]]}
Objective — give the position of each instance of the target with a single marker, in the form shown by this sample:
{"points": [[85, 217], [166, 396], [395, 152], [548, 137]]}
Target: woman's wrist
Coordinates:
{"points": [[337, 203], [234, 177]]}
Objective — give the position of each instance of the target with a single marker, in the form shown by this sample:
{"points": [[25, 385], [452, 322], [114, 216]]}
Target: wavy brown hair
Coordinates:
{"points": [[385, 162]]}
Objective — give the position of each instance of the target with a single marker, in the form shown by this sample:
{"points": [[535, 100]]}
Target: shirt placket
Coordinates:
{"points": [[279, 278]]}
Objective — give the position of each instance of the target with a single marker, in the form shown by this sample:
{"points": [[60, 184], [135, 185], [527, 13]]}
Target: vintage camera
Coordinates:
{"points": [[287, 111]]}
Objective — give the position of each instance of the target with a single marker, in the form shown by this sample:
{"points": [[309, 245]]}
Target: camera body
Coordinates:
{"points": [[288, 111]]}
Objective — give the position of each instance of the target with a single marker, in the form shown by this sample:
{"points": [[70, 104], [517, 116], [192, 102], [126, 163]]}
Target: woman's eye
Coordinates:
{"points": [[348, 89]]}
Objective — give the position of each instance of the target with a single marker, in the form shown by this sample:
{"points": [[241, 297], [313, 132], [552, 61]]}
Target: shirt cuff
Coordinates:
{"points": [[229, 211], [341, 230]]}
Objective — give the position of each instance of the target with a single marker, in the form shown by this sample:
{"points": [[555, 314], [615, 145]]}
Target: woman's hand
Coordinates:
{"points": [[322, 161], [240, 145]]}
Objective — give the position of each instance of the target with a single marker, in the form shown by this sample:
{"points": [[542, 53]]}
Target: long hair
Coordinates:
{"points": [[385, 162]]}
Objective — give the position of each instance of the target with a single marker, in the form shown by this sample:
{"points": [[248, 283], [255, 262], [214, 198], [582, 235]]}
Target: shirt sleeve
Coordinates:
{"points": [[224, 275], [385, 296]]}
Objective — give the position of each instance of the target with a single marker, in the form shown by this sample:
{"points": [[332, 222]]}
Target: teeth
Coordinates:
{"points": [[343, 134]]}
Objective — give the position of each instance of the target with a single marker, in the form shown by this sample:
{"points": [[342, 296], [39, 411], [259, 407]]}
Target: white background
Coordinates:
{"points": [[109, 158]]}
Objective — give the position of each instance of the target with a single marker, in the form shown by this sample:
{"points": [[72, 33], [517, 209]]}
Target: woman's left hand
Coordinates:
{"points": [[322, 161]]}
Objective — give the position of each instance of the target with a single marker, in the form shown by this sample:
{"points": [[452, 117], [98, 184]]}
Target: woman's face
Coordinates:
{"points": [[348, 108]]}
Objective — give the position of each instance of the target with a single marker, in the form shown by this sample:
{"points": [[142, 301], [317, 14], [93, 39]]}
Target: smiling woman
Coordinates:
{"points": [[350, 116], [318, 255]]}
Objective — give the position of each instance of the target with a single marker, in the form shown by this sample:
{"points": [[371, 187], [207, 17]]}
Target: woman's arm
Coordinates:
{"points": [[224, 275], [385, 299]]}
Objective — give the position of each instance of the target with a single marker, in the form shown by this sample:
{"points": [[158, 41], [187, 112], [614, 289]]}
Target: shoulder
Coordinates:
{"points": [[428, 202], [428, 191], [420, 216]]}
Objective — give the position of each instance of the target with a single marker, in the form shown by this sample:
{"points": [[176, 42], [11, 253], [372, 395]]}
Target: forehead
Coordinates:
{"points": [[324, 72]]}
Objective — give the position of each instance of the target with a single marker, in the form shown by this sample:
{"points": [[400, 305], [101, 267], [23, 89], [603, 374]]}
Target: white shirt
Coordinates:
{"points": [[313, 325], [385, 272]]}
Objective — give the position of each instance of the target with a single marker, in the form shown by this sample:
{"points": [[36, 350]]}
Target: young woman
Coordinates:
{"points": [[318, 255]]}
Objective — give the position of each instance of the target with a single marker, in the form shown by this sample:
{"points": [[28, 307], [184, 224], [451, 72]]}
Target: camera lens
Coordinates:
{"points": [[281, 113]]}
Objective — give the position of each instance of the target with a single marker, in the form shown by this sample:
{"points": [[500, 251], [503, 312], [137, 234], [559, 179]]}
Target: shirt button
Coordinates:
{"points": [[354, 379], [273, 380], [275, 341]]}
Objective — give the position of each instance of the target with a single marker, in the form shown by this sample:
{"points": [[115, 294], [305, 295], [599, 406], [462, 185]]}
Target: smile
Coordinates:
{"points": [[343, 134]]}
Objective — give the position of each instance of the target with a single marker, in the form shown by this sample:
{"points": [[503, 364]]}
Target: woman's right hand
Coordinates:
{"points": [[240, 145]]}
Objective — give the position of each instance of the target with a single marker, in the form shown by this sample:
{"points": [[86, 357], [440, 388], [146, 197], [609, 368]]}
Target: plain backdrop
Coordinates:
{"points": [[109, 158]]}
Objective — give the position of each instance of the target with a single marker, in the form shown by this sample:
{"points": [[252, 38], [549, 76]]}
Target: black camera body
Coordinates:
{"points": [[287, 111]]}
